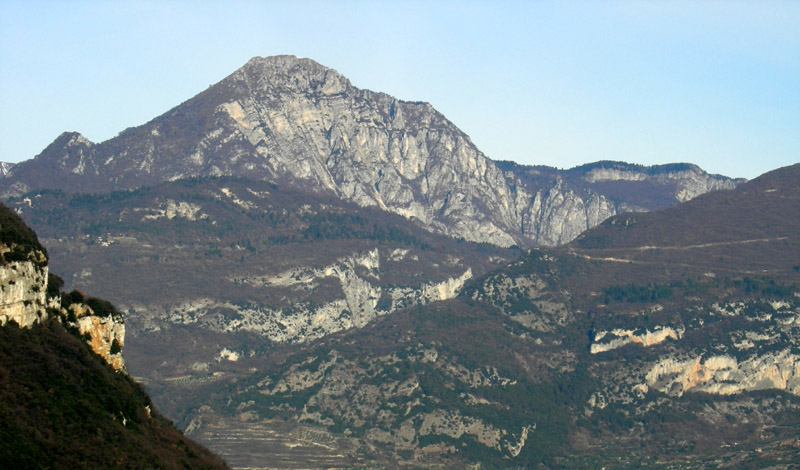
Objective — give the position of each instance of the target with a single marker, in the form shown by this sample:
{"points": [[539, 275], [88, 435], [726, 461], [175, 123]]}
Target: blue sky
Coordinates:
{"points": [[551, 83]]}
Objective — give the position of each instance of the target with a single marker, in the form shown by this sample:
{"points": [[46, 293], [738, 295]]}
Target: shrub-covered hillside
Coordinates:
{"points": [[62, 406]]}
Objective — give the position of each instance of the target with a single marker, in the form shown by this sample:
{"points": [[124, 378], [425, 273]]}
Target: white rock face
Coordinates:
{"points": [[757, 354], [23, 290], [613, 174], [689, 183], [608, 340], [171, 209], [558, 215], [354, 308], [243, 204], [23, 299], [228, 355], [725, 375], [5, 168], [106, 335], [310, 124]]}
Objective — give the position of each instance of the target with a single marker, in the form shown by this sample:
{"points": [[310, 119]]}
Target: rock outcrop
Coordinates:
{"points": [[105, 332], [348, 390], [360, 299], [23, 272], [26, 298], [5, 168], [618, 337], [293, 121], [725, 375], [689, 181], [23, 293]]}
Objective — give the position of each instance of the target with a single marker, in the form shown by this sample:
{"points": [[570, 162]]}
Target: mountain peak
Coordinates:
{"points": [[66, 140], [282, 60], [292, 74], [293, 121]]}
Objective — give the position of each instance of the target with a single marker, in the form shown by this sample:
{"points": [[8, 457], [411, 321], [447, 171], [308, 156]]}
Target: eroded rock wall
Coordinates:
{"points": [[23, 293], [361, 298]]}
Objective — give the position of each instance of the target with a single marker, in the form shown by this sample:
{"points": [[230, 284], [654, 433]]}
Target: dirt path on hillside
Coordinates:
{"points": [[681, 248], [690, 247]]}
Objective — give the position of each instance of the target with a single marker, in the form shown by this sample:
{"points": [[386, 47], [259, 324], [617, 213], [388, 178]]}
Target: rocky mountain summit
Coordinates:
{"points": [[295, 122]]}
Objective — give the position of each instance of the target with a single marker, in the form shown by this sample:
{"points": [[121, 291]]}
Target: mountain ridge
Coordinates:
{"points": [[295, 122]]}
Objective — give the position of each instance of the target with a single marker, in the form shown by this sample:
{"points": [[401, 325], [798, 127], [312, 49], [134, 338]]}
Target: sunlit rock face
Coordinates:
{"points": [[689, 181], [356, 303], [609, 340], [26, 300], [104, 333], [5, 168], [725, 375], [23, 287]]}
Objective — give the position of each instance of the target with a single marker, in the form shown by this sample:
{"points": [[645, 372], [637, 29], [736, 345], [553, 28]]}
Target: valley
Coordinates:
{"points": [[312, 275]]}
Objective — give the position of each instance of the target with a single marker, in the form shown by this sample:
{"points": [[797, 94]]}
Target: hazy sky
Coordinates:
{"points": [[551, 83]]}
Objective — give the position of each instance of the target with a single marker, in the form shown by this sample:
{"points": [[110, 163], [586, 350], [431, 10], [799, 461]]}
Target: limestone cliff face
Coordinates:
{"points": [[295, 122], [23, 293], [618, 337], [725, 375], [358, 297], [558, 215], [26, 300], [23, 272], [5, 168], [689, 181], [759, 354], [105, 333]]}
